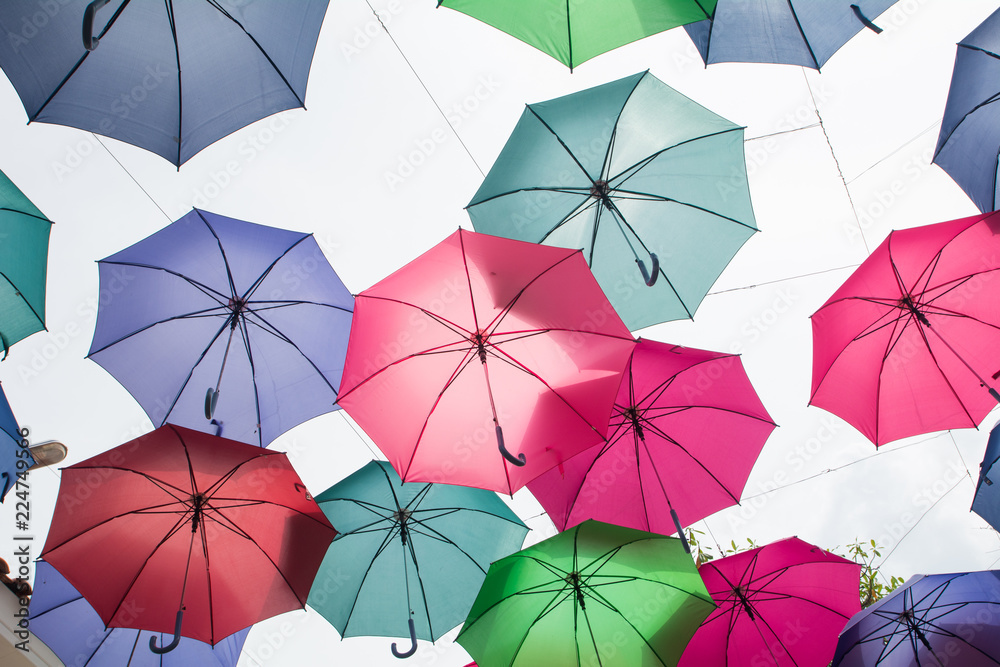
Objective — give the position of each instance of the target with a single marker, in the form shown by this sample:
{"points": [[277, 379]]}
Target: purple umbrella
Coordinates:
{"points": [[213, 323]]}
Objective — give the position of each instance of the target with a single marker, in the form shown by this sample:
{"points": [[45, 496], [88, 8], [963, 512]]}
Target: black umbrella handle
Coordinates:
{"points": [[680, 530], [518, 460], [173, 642], [413, 640], [864, 19], [89, 41], [654, 273]]}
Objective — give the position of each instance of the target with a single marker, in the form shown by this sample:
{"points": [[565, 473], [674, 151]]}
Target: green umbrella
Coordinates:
{"points": [[651, 185], [574, 32], [596, 594], [24, 248]]}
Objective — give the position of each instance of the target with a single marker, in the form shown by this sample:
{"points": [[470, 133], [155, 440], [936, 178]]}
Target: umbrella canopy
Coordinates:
{"points": [[574, 32], [252, 314], [937, 619], [781, 604], [596, 594], [797, 32], [23, 258], [968, 146], [14, 458], [65, 621], [634, 173], [169, 77], [407, 553], [686, 429], [986, 502], [184, 520], [907, 344], [484, 340]]}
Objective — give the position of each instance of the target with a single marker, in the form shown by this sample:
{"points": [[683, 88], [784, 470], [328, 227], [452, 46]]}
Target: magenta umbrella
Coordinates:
{"points": [[782, 604], [685, 432], [484, 362]]}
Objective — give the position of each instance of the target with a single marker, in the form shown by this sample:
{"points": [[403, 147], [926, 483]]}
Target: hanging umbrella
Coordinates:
{"points": [[907, 344], [223, 325], [596, 594], [169, 77], [685, 431], [23, 258], [650, 184], [484, 340], [65, 621], [407, 554], [986, 501], [781, 604], [933, 620], [220, 532], [968, 146], [14, 458], [574, 32], [797, 32]]}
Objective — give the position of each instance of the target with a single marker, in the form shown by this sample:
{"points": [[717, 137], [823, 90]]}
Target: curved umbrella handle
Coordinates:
{"points": [[173, 642], [518, 460], [652, 275], [89, 41], [413, 640], [211, 398], [864, 19], [680, 530]]}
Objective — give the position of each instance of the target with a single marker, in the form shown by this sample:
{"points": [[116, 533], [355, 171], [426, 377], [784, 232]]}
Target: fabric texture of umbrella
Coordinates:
{"points": [[484, 362], [968, 146], [574, 32], [797, 32], [907, 344], [781, 604], [23, 259], [686, 429], [650, 184], [407, 555], [14, 458], [596, 594], [252, 315], [936, 619], [169, 77], [179, 525], [986, 501], [65, 621]]}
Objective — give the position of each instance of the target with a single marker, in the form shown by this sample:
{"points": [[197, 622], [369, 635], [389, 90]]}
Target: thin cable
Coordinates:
{"points": [[780, 132], [360, 435], [781, 280], [904, 145], [132, 177], [915, 523]]}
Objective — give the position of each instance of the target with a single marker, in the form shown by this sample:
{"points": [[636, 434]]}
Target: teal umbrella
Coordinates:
{"points": [[24, 249], [651, 185], [407, 554]]}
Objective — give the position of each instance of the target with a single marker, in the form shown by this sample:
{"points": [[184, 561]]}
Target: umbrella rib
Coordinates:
{"points": [[990, 100], [208, 291], [805, 40], [192, 315], [169, 6], [245, 335], [222, 251], [25, 300], [387, 540]]}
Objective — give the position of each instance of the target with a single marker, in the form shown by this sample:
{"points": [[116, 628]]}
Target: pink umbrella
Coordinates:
{"points": [[781, 604], [685, 432], [484, 362], [908, 344]]}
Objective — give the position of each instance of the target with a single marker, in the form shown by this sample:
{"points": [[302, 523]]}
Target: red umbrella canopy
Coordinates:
{"points": [[909, 343], [686, 429], [479, 342], [179, 519]]}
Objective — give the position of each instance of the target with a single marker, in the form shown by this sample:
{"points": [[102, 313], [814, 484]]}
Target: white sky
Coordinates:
{"points": [[326, 170]]}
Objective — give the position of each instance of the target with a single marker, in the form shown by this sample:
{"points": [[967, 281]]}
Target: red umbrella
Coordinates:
{"points": [[908, 343], [781, 604], [223, 531], [484, 362], [685, 432]]}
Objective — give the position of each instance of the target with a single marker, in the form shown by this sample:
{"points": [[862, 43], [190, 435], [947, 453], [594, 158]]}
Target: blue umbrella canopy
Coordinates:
{"points": [[170, 77], [14, 459], [62, 618], [986, 502]]}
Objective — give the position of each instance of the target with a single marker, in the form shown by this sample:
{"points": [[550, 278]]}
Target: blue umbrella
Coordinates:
{"points": [[969, 140], [65, 621], [13, 457], [791, 32], [170, 77], [986, 501]]}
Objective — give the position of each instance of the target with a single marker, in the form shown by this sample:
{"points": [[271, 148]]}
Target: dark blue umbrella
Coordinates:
{"points": [[224, 326], [791, 32], [986, 502], [170, 77], [13, 457], [65, 621], [969, 142]]}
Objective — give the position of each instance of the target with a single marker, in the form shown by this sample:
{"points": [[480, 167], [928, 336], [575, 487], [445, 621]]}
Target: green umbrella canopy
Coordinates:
{"points": [[596, 594], [575, 31], [627, 170], [24, 248]]}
